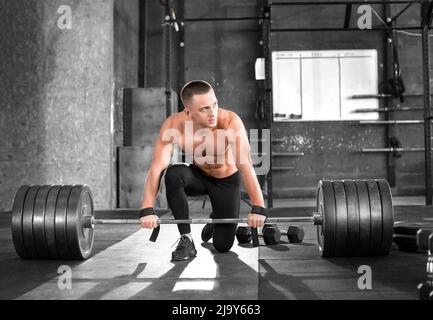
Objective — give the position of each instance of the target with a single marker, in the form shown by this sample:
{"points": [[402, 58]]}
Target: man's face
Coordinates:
{"points": [[203, 109]]}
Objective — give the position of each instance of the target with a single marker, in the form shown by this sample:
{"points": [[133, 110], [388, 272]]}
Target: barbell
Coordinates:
{"points": [[353, 218], [90, 221]]}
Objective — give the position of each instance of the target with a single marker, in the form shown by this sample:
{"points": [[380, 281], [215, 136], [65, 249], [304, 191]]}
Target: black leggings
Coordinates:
{"points": [[182, 180]]}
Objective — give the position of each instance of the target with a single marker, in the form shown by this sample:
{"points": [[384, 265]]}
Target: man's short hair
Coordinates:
{"points": [[192, 88]]}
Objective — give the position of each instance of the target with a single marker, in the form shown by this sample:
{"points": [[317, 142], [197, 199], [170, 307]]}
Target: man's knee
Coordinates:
{"points": [[173, 174], [223, 246]]}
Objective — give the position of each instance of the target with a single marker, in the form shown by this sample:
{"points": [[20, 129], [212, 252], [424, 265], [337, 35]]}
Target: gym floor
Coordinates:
{"points": [[125, 265]]}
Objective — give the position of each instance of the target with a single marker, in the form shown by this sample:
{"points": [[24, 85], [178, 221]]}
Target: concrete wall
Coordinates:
{"points": [[61, 90], [224, 54], [154, 74], [126, 59], [144, 112], [56, 97]]}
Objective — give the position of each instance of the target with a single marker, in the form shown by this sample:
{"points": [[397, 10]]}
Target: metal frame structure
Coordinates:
{"points": [[168, 52], [265, 20], [426, 20]]}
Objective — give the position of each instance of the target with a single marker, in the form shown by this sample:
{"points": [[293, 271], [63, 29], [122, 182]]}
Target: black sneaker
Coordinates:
{"points": [[207, 232], [185, 249]]}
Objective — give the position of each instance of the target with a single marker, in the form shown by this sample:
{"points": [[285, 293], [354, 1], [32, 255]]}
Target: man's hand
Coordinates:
{"points": [[149, 222], [256, 220]]}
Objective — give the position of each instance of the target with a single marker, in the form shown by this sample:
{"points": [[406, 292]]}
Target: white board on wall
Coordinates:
{"points": [[318, 85]]}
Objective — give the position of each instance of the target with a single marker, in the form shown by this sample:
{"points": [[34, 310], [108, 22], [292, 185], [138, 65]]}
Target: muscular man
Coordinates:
{"points": [[216, 141]]}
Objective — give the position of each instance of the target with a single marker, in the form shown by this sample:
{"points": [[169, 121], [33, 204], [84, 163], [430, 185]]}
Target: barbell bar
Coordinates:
{"points": [[397, 109], [383, 96], [90, 221], [376, 150], [352, 217], [391, 121]]}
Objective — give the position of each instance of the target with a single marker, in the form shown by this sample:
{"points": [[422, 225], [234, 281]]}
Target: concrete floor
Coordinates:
{"points": [[125, 265]]}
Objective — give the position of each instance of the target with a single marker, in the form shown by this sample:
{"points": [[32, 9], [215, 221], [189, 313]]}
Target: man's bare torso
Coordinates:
{"points": [[214, 156]]}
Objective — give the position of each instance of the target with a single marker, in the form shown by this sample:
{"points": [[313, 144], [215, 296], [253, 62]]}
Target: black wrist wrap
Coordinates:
{"points": [[259, 210], [147, 212]]}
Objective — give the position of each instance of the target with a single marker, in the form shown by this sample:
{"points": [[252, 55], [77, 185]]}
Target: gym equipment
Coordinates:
{"points": [[271, 234], [47, 222], [406, 243], [295, 234], [353, 218], [426, 288], [406, 235], [422, 238], [357, 218], [243, 234]]}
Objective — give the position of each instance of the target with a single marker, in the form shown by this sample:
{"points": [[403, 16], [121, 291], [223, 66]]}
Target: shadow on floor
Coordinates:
{"points": [[231, 274], [18, 276]]}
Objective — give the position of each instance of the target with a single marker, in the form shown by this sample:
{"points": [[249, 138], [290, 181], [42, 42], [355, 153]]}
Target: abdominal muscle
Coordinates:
{"points": [[213, 165], [217, 167], [217, 170]]}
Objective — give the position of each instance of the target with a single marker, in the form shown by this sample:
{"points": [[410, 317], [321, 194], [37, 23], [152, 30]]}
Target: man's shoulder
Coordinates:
{"points": [[174, 120], [232, 118], [229, 116]]}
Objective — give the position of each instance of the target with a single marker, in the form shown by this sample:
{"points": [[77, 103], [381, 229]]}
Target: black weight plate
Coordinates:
{"points": [[79, 239], [387, 216], [404, 239], [29, 205], [39, 222], [86, 236], [406, 242], [50, 225], [325, 205], [422, 238], [407, 248], [17, 221], [352, 217], [375, 217], [364, 217], [60, 222], [341, 219], [410, 227]]}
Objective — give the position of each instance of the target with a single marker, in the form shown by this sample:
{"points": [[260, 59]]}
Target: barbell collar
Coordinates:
{"points": [[317, 219], [88, 222], [429, 267]]}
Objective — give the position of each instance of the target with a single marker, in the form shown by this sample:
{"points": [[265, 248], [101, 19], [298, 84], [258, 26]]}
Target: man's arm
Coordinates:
{"points": [[160, 161], [241, 147]]}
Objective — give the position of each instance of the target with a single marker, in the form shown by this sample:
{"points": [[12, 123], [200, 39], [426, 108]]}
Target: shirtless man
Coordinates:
{"points": [[217, 168]]}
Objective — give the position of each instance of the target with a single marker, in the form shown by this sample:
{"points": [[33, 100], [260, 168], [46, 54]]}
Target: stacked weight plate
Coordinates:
{"points": [[47, 222], [357, 218], [411, 236]]}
